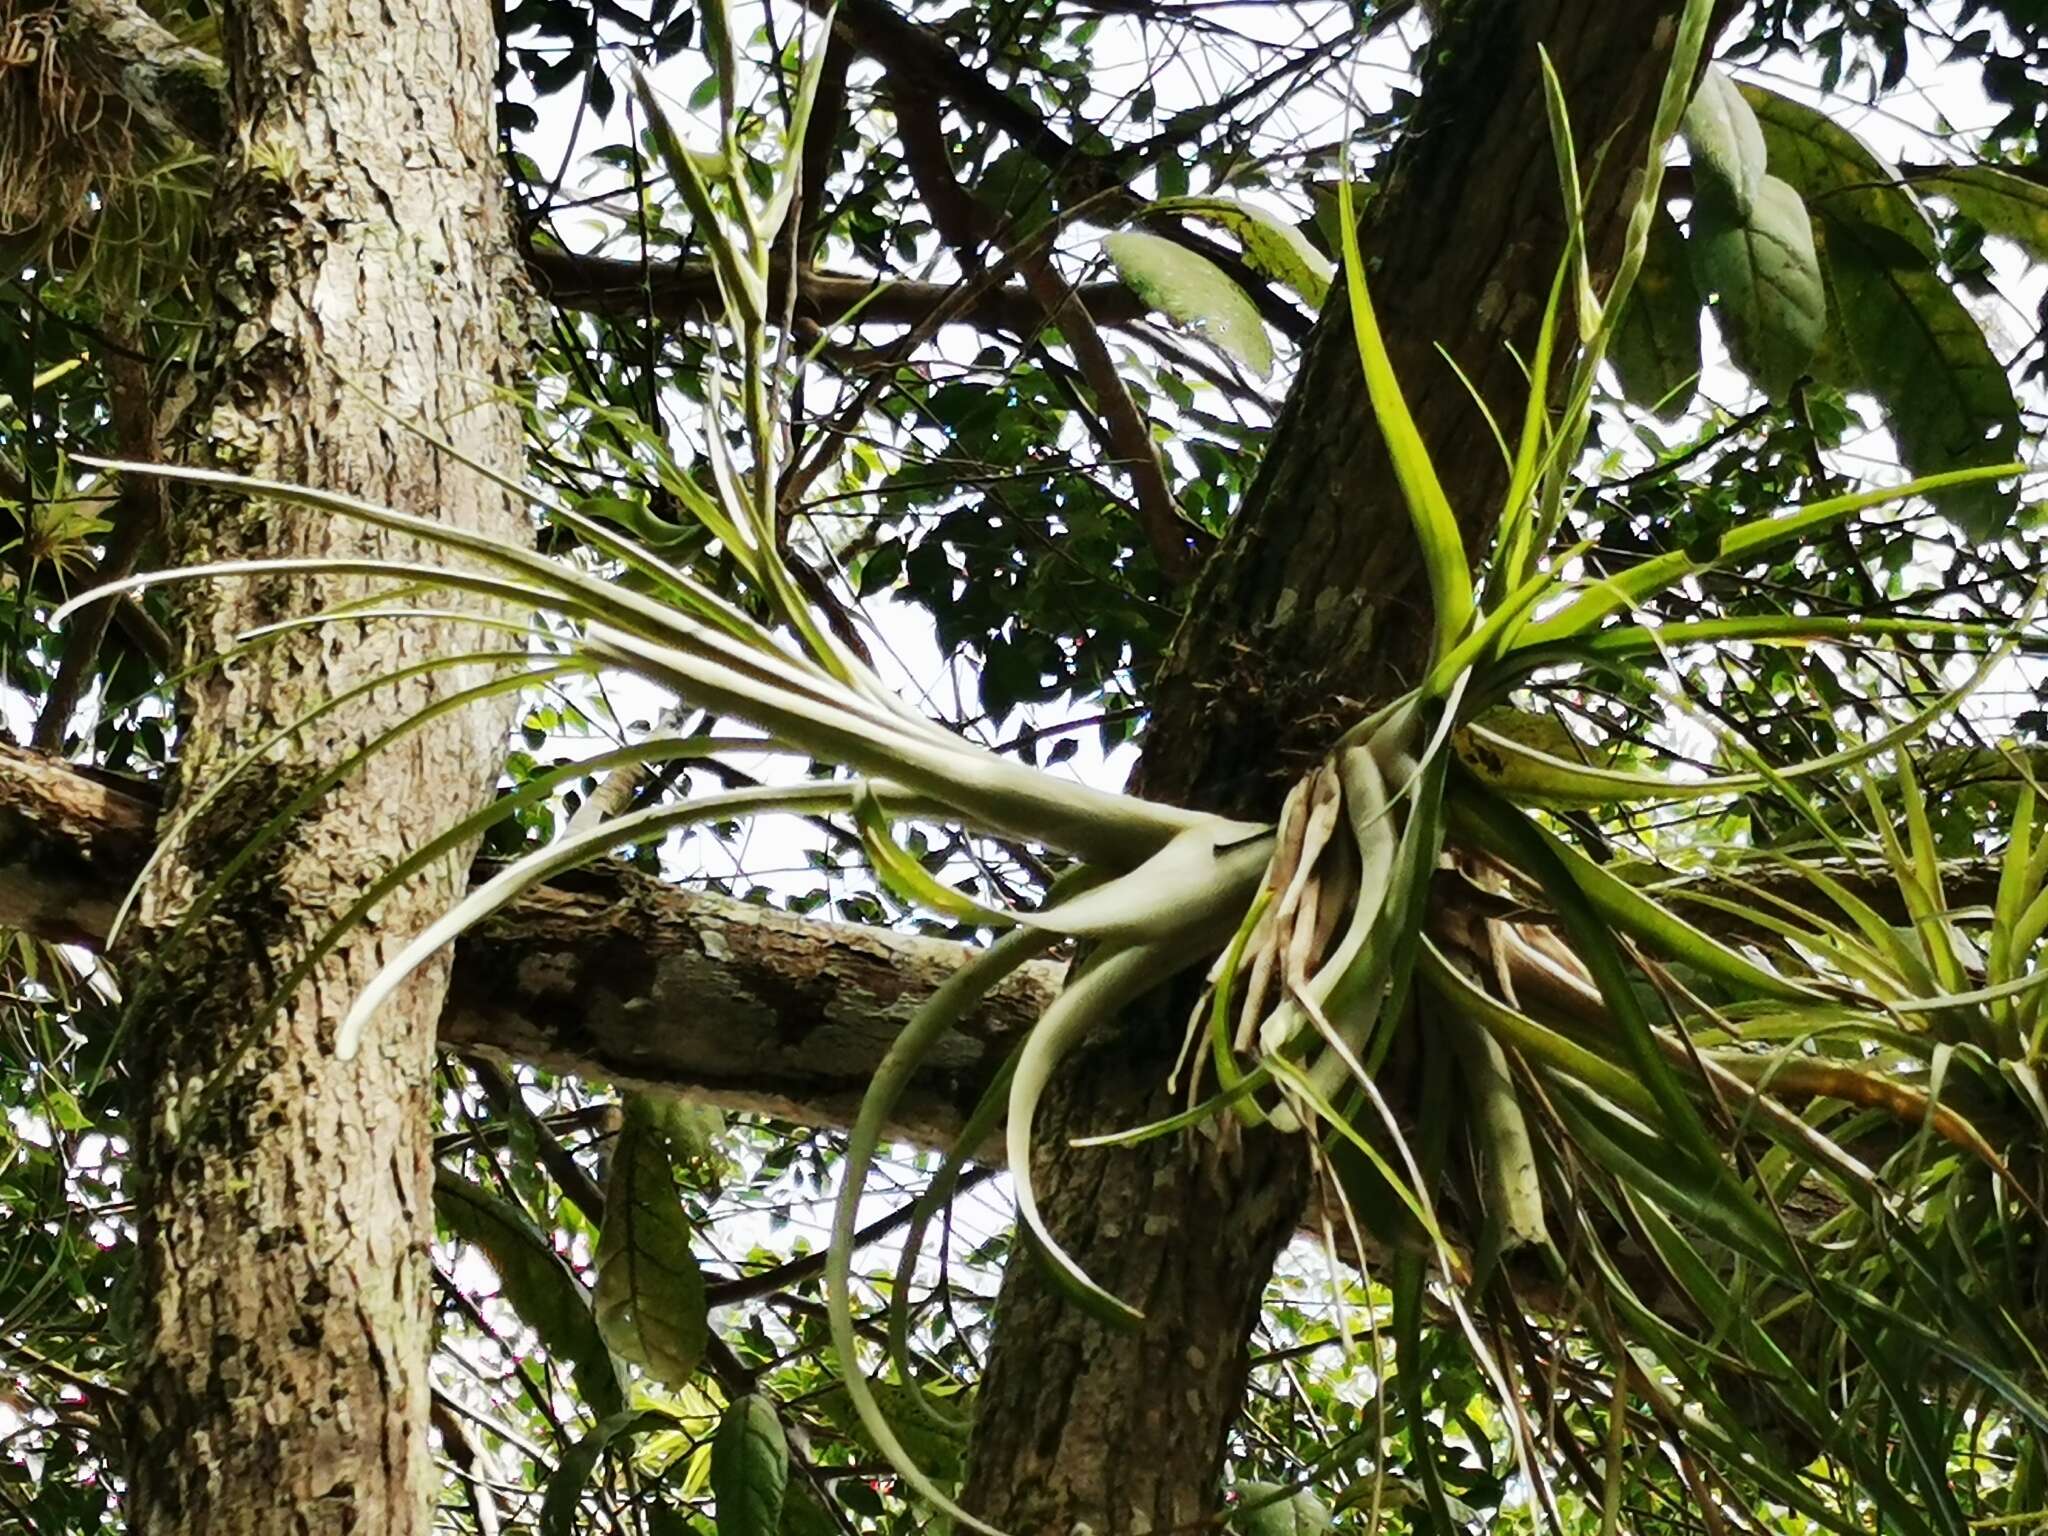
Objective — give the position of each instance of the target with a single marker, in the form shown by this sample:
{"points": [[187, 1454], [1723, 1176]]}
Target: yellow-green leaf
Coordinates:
{"points": [[1834, 172], [1271, 244], [1194, 291], [2008, 206]]}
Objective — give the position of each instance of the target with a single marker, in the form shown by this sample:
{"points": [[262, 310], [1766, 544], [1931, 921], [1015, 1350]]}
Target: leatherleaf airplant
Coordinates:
{"points": [[1617, 1035]]}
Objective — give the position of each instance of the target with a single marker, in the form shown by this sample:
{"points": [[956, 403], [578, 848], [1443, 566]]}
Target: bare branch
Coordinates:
{"points": [[608, 974], [966, 224], [612, 285]]}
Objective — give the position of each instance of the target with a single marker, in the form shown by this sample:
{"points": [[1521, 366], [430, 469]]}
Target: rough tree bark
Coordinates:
{"points": [[1312, 610], [361, 266]]}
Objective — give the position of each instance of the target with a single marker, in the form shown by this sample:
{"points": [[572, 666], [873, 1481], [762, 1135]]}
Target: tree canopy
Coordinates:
{"points": [[1550, 530]]}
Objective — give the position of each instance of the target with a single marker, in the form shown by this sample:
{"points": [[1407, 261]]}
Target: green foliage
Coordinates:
{"points": [[1656, 350], [1765, 278], [2005, 204], [649, 1299], [1774, 1053], [1728, 149], [1270, 246], [1262, 1509], [558, 1510], [1194, 291], [535, 1282], [1921, 352], [750, 1468]]}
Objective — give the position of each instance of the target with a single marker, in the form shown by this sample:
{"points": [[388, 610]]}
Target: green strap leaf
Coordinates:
{"points": [[1194, 291], [1107, 983], [1436, 525], [749, 1468], [903, 873], [534, 1280], [955, 996], [1655, 924], [1200, 872], [1743, 542], [650, 1298], [1271, 245]]}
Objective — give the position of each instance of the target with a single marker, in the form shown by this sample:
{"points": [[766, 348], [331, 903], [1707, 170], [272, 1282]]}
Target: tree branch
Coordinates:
{"points": [[967, 224], [607, 973], [181, 89], [611, 974], [171, 85], [612, 285]]}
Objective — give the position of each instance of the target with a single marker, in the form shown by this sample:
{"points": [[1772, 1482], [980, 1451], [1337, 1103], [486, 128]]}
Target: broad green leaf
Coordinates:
{"points": [[1268, 1509], [1727, 144], [1834, 172], [1017, 185], [559, 1505], [650, 1293], [1271, 244], [1194, 291], [749, 1468], [1764, 277], [2009, 206], [1946, 399], [1656, 346], [534, 1281], [803, 1515]]}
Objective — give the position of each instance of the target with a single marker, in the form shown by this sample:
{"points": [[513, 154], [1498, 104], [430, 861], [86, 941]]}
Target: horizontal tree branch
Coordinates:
{"points": [[680, 291], [179, 89], [607, 974], [173, 86], [611, 974]]}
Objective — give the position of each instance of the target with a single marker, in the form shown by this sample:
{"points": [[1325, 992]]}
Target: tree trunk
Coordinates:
{"points": [[362, 265], [1313, 609]]}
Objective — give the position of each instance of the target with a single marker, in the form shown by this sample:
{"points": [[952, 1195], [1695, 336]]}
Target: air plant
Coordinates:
{"points": [[1573, 1039]]}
